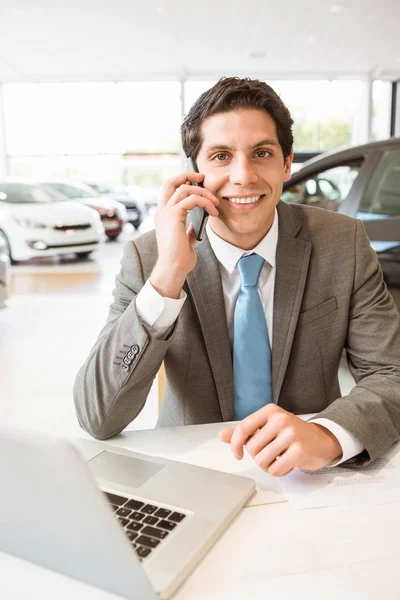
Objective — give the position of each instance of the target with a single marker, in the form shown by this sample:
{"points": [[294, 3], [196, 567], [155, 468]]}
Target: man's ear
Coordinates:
{"points": [[288, 165]]}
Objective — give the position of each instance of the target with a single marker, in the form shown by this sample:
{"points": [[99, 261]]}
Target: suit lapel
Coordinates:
{"points": [[205, 287], [292, 261]]}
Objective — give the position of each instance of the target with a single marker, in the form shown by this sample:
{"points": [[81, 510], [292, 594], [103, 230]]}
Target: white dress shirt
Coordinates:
{"points": [[161, 313]]}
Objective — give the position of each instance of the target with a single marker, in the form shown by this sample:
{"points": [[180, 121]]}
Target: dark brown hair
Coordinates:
{"points": [[230, 93]]}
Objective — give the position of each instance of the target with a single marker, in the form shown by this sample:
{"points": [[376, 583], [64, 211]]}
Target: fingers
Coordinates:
{"points": [[248, 427], [285, 464], [186, 190], [196, 200], [259, 440], [225, 435], [267, 455], [171, 185]]}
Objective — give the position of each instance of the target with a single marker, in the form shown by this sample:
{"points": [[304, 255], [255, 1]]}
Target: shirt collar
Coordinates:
{"points": [[228, 255]]}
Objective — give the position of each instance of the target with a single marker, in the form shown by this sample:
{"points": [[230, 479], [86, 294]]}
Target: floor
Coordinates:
{"points": [[52, 318]]}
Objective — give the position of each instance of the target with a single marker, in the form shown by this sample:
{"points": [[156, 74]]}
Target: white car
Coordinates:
{"points": [[4, 274], [113, 214], [33, 225]]}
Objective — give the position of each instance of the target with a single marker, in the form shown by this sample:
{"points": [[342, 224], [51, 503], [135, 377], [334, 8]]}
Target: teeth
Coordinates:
{"points": [[244, 200]]}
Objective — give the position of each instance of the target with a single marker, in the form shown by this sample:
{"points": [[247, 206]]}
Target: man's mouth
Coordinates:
{"points": [[244, 199]]}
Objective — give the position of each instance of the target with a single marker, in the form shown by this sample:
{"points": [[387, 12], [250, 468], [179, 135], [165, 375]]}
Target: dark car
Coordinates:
{"points": [[363, 182], [119, 193]]}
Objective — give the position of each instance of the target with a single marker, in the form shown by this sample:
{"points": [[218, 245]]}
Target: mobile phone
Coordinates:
{"points": [[197, 216]]}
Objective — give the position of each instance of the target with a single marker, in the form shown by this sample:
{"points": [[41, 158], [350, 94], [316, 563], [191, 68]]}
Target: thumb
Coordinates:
{"points": [[191, 235], [225, 435]]}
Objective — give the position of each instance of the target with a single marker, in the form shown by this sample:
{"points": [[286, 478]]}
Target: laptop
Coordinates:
{"points": [[124, 522]]}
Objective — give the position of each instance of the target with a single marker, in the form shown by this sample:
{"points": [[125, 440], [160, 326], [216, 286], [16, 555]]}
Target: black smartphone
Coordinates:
{"points": [[197, 216]]}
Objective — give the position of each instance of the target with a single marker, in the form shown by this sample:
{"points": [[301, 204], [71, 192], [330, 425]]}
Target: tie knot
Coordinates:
{"points": [[250, 269]]}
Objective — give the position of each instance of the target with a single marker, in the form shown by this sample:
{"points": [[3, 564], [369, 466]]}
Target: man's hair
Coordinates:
{"points": [[231, 93]]}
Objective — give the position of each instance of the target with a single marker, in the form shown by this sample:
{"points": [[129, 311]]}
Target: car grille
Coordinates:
{"points": [[72, 244], [80, 227]]}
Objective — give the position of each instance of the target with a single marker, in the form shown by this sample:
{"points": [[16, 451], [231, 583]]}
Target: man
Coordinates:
{"points": [[318, 289]]}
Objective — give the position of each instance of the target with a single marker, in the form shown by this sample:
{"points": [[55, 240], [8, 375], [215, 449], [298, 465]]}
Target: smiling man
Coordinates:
{"points": [[251, 323]]}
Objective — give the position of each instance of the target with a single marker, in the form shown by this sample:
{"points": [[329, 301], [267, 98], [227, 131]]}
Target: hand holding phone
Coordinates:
{"points": [[197, 216], [176, 247]]}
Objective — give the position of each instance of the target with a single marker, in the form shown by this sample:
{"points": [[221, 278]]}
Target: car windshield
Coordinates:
{"points": [[101, 189], [71, 191], [25, 193], [56, 195]]}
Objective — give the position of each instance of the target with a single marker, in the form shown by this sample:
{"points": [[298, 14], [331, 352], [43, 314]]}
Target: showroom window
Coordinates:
{"points": [[326, 114], [91, 131], [382, 196], [381, 106], [327, 189]]}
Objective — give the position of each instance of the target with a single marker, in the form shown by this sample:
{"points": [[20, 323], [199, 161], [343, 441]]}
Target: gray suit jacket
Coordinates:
{"points": [[329, 295]]}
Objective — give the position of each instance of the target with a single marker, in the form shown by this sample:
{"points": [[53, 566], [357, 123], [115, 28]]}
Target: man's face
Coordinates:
{"points": [[243, 162]]}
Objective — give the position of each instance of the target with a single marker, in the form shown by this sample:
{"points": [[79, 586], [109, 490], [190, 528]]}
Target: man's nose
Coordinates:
{"points": [[242, 172]]}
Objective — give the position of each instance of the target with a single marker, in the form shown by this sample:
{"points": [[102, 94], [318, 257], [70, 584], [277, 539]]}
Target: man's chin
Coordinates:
{"points": [[238, 234]]}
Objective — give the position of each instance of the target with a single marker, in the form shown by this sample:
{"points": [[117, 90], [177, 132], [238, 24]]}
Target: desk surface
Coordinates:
{"points": [[269, 549]]}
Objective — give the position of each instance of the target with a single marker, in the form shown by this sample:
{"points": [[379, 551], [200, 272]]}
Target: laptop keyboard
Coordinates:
{"points": [[146, 525]]}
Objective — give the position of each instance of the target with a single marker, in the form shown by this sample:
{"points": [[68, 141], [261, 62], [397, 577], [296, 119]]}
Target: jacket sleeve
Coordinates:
{"points": [[112, 386], [371, 411]]}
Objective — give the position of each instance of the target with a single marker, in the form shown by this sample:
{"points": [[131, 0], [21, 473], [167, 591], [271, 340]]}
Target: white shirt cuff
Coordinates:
{"points": [[351, 445], [157, 311]]}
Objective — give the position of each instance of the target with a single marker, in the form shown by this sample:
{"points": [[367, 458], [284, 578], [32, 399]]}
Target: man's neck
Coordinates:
{"points": [[246, 241]]}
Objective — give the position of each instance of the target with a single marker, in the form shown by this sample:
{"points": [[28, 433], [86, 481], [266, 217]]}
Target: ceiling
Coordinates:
{"points": [[87, 40]]}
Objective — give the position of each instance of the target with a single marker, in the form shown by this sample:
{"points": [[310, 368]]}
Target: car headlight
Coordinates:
{"points": [[24, 222]]}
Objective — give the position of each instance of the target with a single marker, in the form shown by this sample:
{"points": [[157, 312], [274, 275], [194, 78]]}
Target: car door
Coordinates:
{"points": [[379, 207]]}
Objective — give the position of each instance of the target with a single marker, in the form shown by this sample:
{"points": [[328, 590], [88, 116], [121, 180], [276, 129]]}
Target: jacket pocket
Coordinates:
{"points": [[318, 311]]}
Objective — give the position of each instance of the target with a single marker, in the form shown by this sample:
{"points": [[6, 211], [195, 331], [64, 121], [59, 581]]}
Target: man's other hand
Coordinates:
{"points": [[278, 441]]}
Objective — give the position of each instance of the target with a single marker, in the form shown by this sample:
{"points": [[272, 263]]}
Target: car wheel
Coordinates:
{"points": [[7, 248], [83, 254]]}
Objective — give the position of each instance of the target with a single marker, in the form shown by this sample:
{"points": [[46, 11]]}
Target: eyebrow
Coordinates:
{"points": [[266, 142]]}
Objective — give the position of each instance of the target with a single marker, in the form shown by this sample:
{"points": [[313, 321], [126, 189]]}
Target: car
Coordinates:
{"points": [[34, 223], [363, 182], [113, 214], [4, 273], [119, 193]]}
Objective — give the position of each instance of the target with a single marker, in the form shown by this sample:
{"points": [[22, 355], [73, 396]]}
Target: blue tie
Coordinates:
{"points": [[252, 381]]}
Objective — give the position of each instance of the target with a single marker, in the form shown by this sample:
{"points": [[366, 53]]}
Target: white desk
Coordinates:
{"points": [[270, 551]]}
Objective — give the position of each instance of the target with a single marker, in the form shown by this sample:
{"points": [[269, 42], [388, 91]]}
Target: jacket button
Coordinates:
{"points": [[127, 361], [124, 367], [130, 355], [135, 349]]}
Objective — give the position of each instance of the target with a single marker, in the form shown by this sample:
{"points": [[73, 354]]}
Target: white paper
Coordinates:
{"points": [[205, 455], [377, 483]]}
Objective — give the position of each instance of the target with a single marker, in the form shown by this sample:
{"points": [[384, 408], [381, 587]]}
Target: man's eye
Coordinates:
{"points": [[262, 153], [221, 156]]}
